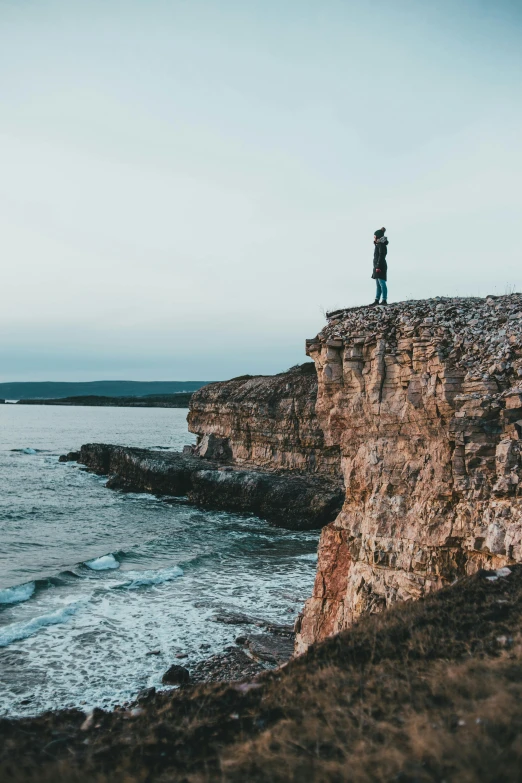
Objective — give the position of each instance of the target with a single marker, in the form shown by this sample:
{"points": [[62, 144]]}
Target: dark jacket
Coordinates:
{"points": [[379, 261]]}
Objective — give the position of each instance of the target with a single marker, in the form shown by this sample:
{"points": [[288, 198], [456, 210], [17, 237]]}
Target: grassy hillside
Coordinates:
{"points": [[427, 691]]}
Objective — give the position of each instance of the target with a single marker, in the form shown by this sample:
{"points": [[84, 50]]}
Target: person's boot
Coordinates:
{"points": [[374, 304], [384, 302]]}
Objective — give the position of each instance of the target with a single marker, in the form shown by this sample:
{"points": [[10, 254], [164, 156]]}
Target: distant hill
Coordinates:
{"points": [[53, 390], [178, 400]]}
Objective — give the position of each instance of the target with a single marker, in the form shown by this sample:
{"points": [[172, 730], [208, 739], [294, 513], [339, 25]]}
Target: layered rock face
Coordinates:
{"points": [[424, 401], [268, 422]]}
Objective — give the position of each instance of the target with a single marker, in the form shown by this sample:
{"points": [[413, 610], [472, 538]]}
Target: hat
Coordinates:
{"points": [[379, 233]]}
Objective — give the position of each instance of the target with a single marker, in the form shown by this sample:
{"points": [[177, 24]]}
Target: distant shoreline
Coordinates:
{"points": [[59, 390], [176, 400]]}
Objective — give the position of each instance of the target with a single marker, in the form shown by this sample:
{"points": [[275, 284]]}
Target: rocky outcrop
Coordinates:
{"points": [[266, 422], [140, 470], [424, 401], [260, 450], [289, 500]]}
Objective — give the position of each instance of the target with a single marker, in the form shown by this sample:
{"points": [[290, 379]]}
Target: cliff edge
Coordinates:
{"points": [[423, 399]]}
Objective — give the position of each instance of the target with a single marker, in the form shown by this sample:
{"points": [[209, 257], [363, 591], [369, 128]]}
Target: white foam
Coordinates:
{"points": [[102, 563], [147, 578], [17, 594], [29, 451], [312, 557], [16, 631]]}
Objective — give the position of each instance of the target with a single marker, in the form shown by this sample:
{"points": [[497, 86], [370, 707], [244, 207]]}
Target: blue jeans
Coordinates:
{"points": [[382, 288]]}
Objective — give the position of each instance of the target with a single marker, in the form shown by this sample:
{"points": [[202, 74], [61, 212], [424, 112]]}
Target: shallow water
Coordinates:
{"points": [[92, 580]]}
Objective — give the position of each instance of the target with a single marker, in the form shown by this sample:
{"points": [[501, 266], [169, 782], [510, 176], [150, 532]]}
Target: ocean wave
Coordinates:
{"points": [[17, 594], [102, 563], [197, 560], [137, 579], [21, 630], [131, 555], [312, 557]]}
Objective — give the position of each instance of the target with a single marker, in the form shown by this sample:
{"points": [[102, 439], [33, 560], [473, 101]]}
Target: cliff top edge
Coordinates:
{"points": [[480, 335]]}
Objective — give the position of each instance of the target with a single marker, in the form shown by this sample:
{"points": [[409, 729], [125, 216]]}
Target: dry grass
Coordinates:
{"points": [[439, 723], [430, 691]]}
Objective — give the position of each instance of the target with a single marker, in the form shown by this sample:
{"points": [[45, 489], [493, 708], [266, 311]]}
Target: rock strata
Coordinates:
{"points": [[424, 402], [266, 422]]}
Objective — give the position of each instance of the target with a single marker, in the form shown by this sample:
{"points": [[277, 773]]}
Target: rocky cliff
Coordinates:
{"points": [[424, 401], [268, 422]]}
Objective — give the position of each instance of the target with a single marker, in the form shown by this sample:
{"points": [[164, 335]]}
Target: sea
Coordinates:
{"points": [[100, 590]]}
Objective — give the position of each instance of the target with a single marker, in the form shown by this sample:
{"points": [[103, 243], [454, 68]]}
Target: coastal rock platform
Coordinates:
{"points": [[290, 500]]}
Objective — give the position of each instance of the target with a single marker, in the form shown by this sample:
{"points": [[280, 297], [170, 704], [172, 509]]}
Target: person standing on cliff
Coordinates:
{"points": [[380, 267]]}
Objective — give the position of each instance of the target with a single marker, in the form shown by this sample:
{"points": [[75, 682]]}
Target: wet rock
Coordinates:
{"points": [[234, 618], [176, 675], [239, 618], [273, 649], [72, 456], [279, 629], [235, 664], [297, 502], [289, 500]]}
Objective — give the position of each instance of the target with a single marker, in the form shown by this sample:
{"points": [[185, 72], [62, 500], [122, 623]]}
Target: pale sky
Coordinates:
{"points": [[187, 185]]}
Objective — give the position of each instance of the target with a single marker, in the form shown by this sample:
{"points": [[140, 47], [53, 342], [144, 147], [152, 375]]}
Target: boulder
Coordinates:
{"points": [[176, 675], [72, 456], [272, 649], [213, 447]]}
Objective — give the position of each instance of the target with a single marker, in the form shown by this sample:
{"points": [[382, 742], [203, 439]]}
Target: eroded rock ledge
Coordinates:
{"points": [[424, 401], [293, 501]]}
